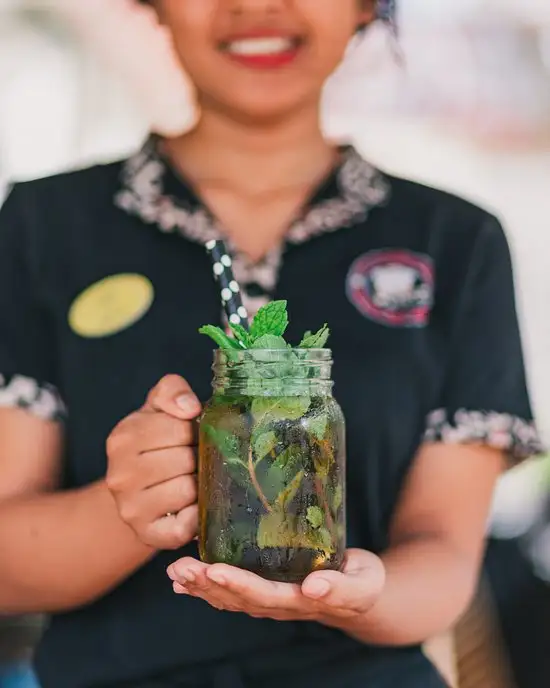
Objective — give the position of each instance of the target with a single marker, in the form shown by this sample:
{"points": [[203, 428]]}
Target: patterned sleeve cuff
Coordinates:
{"points": [[519, 438], [42, 400]]}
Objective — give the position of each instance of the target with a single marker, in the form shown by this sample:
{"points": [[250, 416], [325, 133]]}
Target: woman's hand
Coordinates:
{"points": [[332, 598], [152, 468]]}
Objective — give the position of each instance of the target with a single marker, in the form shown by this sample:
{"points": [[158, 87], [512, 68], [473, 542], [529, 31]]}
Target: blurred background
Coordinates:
{"points": [[461, 100]]}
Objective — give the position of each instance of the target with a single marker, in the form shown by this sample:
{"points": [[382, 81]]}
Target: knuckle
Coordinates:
{"points": [[129, 511], [172, 383], [122, 435], [115, 441], [172, 379], [115, 482], [154, 397]]}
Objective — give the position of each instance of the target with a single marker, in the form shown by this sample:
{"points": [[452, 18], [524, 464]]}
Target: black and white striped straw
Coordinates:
{"points": [[229, 288]]}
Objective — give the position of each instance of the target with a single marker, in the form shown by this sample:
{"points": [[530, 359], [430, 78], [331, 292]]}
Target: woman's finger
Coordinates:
{"points": [[188, 570], [349, 592], [143, 508], [193, 576], [169, 497], [163, 465], [143, 432], [173, 395], [173, 532], [158, 431], [255, 591]]}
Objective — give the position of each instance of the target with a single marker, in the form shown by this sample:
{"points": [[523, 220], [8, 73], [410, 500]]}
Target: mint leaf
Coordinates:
{"points": [[317, 340], [279, 529], [238, 471], [226, 442], [219, 336], [315, 516], [288, 494], [281, 471], [338, 498], [318, 426], [322, 539], [274, 481], [279, 408], [241, 335], [269, 341], [276, 530], [270, 319], [288, 460], [229, 447], [263, 444]]}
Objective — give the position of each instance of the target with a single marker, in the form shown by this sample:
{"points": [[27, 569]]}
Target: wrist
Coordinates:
{"points": [[356, 625], [104, 500]]}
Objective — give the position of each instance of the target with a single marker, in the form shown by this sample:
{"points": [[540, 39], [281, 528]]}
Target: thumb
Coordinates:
{"points": [[355, 588], [173, 395]]}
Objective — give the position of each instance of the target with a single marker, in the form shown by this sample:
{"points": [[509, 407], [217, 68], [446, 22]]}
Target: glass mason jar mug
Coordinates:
{"points": [[272, 464]]}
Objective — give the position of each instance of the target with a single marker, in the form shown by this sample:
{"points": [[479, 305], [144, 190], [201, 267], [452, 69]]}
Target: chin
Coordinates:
{"points": [[262, 108]]}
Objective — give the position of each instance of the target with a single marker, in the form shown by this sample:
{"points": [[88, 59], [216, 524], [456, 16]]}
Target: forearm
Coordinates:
{"points": [[63, 550], [428, 586]]}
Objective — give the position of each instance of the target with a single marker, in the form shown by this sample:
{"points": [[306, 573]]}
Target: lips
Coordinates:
{"points": [[267, 52]]}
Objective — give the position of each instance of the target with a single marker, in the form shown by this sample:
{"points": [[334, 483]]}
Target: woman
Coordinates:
{"points": [[104, 283]]}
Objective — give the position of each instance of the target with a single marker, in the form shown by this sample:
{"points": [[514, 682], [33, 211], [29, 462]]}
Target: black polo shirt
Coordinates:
{"points": [[104, 281]]}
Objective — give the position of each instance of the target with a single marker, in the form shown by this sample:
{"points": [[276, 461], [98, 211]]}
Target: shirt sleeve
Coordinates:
{"points": [[485, 397], [27, 358]]}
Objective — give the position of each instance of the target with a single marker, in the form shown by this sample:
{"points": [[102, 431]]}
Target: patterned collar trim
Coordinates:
{"points": [[361, 187]]}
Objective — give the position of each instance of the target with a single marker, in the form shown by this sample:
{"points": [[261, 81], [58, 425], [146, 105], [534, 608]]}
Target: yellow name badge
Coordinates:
{"points": [[111, 305]]}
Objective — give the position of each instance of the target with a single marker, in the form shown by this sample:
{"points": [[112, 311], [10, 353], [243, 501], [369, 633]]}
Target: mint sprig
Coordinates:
{"points": [[317, 340], [266, 332], [219, 336], [241, 335], [270, 319]]}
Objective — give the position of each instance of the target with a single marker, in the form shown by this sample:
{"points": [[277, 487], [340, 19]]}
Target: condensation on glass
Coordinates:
{"points": [[272, 464]]}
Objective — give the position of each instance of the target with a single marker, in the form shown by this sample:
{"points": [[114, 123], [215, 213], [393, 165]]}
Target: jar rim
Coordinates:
{"points": [[268, 370], [312, 356], [293, 348]]}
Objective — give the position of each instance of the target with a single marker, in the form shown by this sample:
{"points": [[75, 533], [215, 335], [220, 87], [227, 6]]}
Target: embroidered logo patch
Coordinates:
{"points": [[392, 287], [111, 305]]}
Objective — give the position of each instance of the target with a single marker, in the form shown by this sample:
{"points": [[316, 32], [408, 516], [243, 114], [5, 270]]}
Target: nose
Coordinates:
{"points": [[262, 7]]}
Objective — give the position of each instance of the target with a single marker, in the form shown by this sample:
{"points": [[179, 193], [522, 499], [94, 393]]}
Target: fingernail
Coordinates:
{"points": [[187, 403], [217, 577], [318, 588]]}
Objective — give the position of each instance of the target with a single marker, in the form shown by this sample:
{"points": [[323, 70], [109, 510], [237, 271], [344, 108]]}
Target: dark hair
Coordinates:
{"points": [[386, 10]]}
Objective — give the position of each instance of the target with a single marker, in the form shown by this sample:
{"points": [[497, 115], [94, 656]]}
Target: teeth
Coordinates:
{"points": [[260, 46]]}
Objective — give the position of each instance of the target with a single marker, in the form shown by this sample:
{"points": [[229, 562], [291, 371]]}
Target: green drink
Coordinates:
{"points": [[272, 455]]}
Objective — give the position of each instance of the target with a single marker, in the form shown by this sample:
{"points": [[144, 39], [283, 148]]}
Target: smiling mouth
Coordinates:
{"points": [[263, 52]]}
